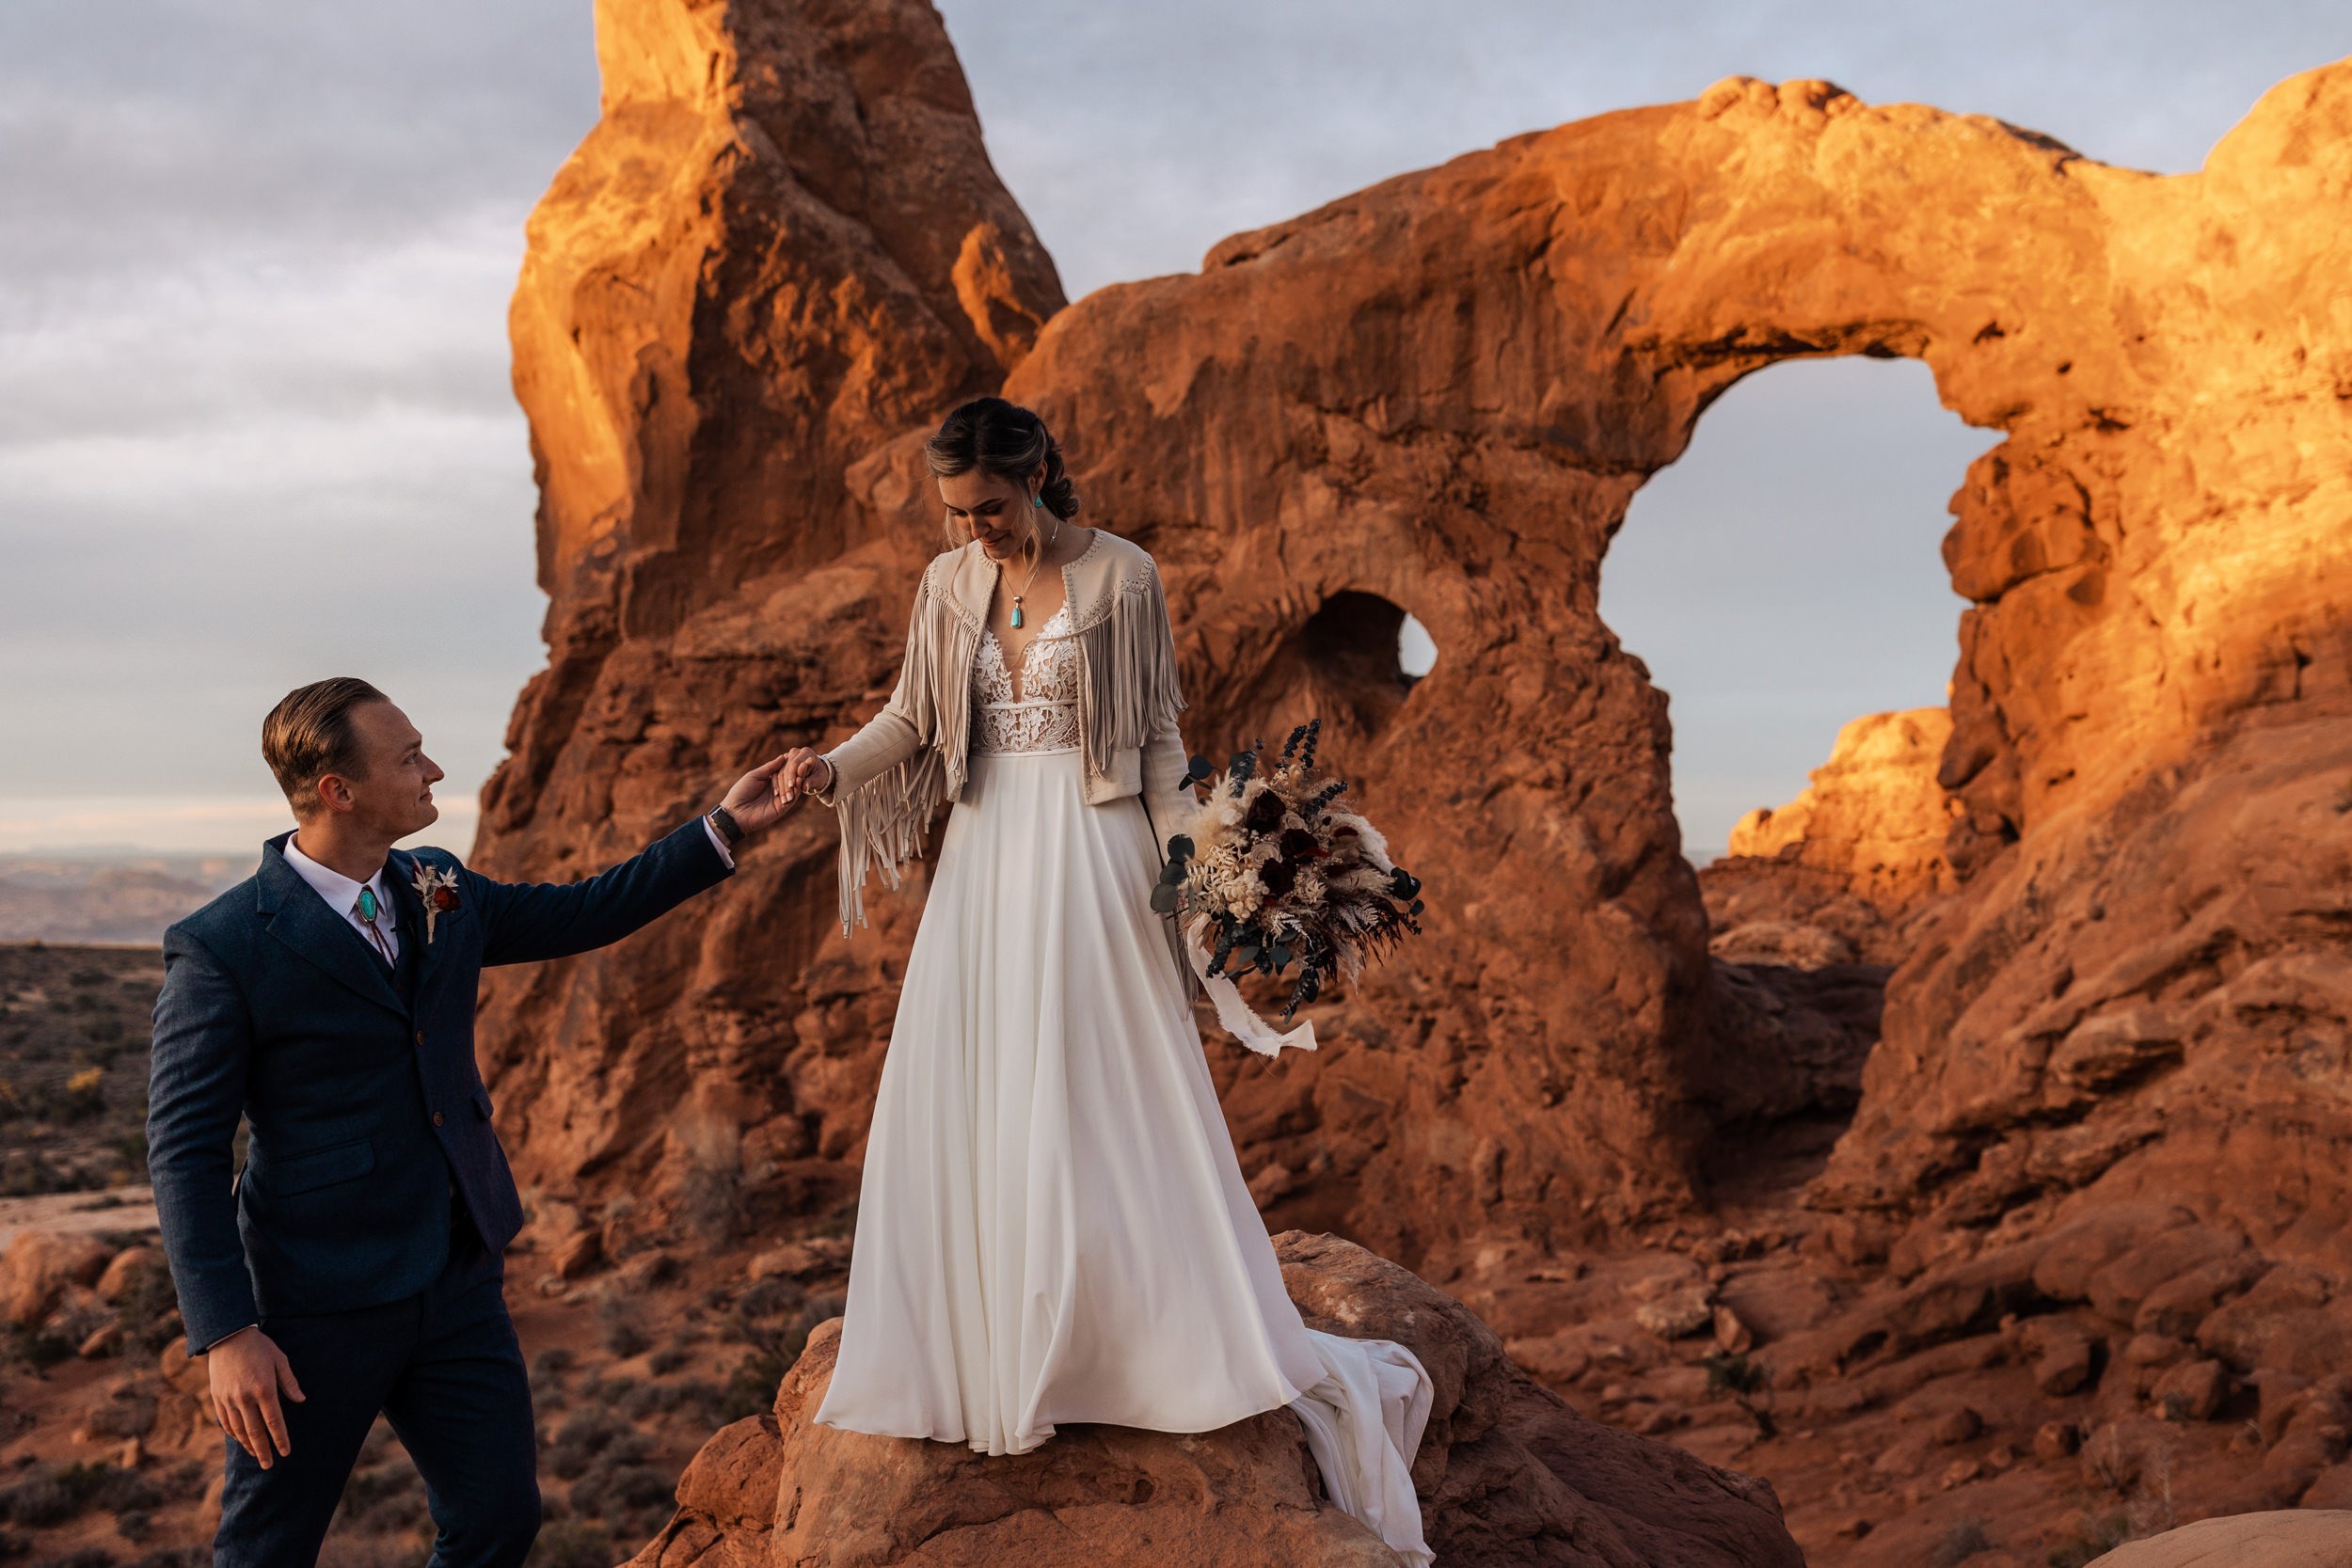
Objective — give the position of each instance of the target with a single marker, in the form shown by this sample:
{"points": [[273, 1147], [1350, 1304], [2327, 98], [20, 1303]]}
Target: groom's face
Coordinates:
{"points": [[392, 789]]}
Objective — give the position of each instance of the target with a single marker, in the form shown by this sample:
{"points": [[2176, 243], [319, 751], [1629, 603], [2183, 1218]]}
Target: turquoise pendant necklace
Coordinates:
{"points": [[368, 906], [1040, 560]]}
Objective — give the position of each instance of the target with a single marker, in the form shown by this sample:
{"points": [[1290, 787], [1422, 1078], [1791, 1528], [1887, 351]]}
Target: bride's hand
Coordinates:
{"points": [[804, 772]]}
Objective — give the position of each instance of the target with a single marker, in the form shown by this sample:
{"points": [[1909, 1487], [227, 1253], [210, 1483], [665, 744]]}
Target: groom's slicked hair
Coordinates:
{"points": [[309, 735]]}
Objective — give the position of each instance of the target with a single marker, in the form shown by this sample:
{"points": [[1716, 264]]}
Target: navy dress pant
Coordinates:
{"points": [[445, 1369]]}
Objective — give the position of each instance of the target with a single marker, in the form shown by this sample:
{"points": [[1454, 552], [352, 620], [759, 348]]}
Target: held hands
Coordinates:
{"points": [[247, 1370], [758, 798], [804, 773]]}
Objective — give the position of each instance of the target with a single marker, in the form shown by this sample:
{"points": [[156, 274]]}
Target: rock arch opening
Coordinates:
{"points": [[1785, 586], [1346, 663]]}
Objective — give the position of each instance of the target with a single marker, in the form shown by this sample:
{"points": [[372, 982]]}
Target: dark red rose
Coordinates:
{"points": [[444, 898], [1299, 844], [1279, 876], [1264, 814]]}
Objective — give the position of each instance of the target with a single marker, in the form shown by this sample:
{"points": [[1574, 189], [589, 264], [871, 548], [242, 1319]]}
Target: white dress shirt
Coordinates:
{"points": [[342, 895]]}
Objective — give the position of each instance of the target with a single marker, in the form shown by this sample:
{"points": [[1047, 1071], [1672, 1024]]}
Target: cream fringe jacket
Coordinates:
{"points": [[892, 774]]}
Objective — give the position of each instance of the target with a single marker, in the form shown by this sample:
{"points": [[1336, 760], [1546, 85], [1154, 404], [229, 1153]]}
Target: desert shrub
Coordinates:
{"points": [[175, 1557], [2096, 1536], [80, 1556], [547, 1376], [49, 1495], [38, 1499], [774, 1316], [591, 1433], [668, 1359], [114, 1489], [147, 1308], [36, 1348], [710, 1205], [1962, 1541], [660, 1398], [82, 1096], [1732, 1373], [350, 1550], [623, 1334], [635, 1498], [752, 1389], [600, 1389], [386, 1500], [573, 1543], [629, 1489]]}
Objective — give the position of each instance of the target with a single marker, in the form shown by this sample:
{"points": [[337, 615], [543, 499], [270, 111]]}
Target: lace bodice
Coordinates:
{"points": [[1044, 715]]}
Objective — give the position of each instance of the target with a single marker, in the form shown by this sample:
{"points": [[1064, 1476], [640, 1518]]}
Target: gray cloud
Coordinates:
{"points": [[255, 421]]}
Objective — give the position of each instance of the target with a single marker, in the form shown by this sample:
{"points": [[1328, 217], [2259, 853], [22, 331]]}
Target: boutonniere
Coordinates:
{"points": [[438, 890]]}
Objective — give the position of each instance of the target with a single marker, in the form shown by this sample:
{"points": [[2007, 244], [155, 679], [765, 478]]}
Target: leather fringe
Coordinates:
{"points": [[1128, 690], [884, 820]]}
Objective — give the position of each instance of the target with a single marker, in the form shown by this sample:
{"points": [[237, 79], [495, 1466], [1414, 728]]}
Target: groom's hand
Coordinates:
{"points": [[248, 1369], [755, 801]]}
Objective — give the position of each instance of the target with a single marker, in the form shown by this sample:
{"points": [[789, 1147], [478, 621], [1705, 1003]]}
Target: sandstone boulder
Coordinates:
{"points": [[40, 1266], [1508, 1473], [2294, 1538]]}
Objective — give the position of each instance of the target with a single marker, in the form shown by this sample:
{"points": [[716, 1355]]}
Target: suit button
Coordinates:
{"points": [[420, 1037], [436, 1118]]}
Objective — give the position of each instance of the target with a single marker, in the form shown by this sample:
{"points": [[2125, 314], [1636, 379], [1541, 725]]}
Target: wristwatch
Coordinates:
{"points": [[730, 829]]}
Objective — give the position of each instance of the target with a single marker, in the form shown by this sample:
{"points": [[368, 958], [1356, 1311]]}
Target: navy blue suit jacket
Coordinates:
{"points": [[366, 1111]]}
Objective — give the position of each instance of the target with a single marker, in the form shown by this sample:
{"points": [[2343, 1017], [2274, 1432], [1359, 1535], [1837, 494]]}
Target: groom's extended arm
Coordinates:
{"points": [[524, 921], [195, 1094]]}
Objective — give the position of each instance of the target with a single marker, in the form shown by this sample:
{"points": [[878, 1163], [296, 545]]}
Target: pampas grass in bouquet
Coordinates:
{"points": [[1273, 868]]}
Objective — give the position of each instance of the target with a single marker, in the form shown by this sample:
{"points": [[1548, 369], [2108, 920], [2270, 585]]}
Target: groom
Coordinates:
{"points": [[356, 1262]]}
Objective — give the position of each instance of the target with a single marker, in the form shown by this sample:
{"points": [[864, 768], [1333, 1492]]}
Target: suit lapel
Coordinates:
{"points": [[298, 917]]}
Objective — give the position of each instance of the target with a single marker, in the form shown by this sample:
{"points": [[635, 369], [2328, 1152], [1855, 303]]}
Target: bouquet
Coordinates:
{"points": [[1270, 870]]}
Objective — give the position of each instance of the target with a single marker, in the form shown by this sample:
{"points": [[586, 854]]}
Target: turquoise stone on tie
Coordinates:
{"points": [[1016, 614], [367, 903]]}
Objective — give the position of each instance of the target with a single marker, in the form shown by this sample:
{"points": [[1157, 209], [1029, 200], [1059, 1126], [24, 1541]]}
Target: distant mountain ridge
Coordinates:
{"points": [[113, 898]]}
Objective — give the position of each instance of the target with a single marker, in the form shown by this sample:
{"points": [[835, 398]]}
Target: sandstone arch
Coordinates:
{"points": [[781, 255]]}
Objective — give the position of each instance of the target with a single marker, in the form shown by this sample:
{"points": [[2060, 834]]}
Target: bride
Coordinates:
{"points": [[1051, 1223]]}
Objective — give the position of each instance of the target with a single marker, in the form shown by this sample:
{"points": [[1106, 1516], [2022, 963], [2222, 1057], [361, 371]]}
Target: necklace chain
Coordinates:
{"points": [[1054, 539]]}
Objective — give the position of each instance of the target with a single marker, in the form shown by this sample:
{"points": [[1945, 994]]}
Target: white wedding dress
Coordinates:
{"points": [[1052, 1224]]}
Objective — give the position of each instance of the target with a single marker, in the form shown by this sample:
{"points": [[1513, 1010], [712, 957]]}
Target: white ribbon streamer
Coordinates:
{"points": [[1241, 1021]]}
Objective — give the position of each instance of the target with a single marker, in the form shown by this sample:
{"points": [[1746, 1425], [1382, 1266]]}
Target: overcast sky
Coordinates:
{"points": [[256, 425]]}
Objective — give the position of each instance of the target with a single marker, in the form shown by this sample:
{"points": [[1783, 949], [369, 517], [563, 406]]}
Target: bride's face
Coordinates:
{"points": [[996, 511]]}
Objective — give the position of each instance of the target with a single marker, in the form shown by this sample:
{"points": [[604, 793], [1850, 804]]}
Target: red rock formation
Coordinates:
{"points": [[1507, 1474], [782, 247], [782, 255], [1864, 838]]}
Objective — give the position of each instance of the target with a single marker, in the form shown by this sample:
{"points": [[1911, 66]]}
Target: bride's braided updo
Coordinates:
{"points": [[1006, 441]]}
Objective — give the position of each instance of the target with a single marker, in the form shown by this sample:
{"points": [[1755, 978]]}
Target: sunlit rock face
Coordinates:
{"points": [[782, 254], [1873, 820]]}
